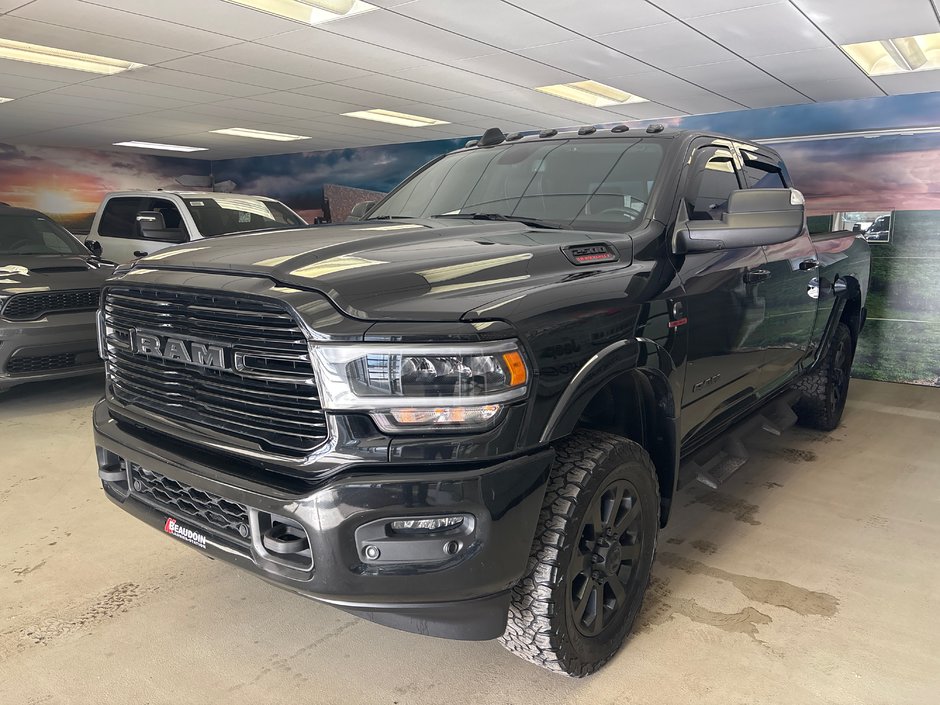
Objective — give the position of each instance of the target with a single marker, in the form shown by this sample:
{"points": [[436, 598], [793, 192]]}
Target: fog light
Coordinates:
{"points": [[418, 526]]}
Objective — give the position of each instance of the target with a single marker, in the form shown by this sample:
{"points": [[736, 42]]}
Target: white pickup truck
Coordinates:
{"points": [[133, 224]]}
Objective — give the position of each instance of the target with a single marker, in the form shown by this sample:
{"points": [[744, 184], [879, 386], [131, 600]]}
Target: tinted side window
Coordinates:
{"points": [[119, 218], [711, 182]]}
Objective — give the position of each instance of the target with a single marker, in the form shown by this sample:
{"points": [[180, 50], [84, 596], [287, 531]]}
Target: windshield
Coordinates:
{"points": [[34, 235], [601, 184], [219, 215]]}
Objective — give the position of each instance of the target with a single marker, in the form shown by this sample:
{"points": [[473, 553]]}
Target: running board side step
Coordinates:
{"points": [[719, 460]]}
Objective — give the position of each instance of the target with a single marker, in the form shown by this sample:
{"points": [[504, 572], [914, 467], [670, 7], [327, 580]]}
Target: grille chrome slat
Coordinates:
{"points": [[278, 412]]}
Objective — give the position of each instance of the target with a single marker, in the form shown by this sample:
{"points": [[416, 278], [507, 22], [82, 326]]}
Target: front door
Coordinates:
{"points": [[724, 304], [791, 307]]}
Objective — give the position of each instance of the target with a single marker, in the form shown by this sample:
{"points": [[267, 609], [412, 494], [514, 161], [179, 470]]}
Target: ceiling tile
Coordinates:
{"points": [[839, 89], [215, 16], [455, 79], [667, 46], [96, 92], [221, 69], [307, 67], [850, 21], [134, 27], [168, 77], [598, 18], [762, 30], [17, 86], [493, 22], [126, 83], [700, 101], [809, 65], [400, 88], [917, 82], [727, 75], [646, 111], [308, 102], [683, 9], [528, 99], [312, 41], [391, 31], [354, 96], [587, 58], [516, 69], [767, 97]]}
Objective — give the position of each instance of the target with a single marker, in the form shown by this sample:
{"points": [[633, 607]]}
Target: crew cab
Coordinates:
{"points": [[133, 224], [468, 413]]}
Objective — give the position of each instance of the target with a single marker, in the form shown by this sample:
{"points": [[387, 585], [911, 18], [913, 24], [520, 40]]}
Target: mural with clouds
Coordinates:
{"points": [[68, 184]]}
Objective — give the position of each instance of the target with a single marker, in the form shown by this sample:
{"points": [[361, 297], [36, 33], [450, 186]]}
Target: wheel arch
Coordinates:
{"points": [[628, 389]]}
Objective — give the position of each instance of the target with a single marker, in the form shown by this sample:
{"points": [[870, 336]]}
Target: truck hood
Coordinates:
{"points": [[416, 270], [20, 274]]}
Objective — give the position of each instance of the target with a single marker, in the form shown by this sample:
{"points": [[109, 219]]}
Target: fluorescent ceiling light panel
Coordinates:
{"points": [[157, 145], [395, 118], [899, 55], [7, 100], [259, 134], [309, 11], [597, 95], [62, 58]]}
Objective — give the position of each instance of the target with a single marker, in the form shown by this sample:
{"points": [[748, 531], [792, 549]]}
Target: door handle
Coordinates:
{"points": [[140, 253], [808, 264], [756, 275]]}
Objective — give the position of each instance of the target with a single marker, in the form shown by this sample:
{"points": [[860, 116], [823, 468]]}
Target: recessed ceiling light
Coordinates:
{"points": [[309, 11], [62, 58], [899, 55], [591, 93], [395, 118], [259, 134], [157, 145]]}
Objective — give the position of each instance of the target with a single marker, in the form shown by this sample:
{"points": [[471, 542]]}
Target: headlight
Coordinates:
{"points": [[422, 386]]}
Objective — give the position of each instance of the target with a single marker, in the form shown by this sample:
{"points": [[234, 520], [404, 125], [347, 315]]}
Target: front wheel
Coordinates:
{"points": [[591, 560]]}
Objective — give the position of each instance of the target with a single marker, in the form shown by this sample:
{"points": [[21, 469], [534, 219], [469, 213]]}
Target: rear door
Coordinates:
{"points": [[791, 310], [119, 234], [724, 309]]}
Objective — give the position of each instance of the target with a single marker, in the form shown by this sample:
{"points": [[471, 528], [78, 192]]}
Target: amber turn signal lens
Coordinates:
{"points": [[517, 371]]}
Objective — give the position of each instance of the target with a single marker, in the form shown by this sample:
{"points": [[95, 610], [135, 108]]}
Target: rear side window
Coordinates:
{"points": [[119, 218]]}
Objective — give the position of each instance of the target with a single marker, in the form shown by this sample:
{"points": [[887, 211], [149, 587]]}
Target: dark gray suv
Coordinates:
{"points": [[49, 289]]}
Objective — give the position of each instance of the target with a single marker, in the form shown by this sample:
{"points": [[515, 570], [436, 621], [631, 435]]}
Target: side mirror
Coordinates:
{"points": [[754, 217], [360, 210], [94, 247]]}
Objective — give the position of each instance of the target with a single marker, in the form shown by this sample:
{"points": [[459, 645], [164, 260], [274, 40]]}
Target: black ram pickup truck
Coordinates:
{"points": [[467, 414]]}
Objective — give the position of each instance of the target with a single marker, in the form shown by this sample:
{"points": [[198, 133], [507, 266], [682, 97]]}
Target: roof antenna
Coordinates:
{"points": [[492, 136]]}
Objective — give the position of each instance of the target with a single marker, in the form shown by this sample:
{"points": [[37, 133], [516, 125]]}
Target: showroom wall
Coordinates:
{"points": [[68, 184]]}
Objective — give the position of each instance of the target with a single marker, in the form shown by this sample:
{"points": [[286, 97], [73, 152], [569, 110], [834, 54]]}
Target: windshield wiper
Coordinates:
{"points": [[531, 222]]}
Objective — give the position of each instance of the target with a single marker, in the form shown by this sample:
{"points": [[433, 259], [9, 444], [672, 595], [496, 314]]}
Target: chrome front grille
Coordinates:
{"points": [[263, 398]]}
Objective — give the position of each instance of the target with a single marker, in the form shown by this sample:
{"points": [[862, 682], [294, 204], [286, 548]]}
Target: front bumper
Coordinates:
{"points": [[55, 340], [454, 584]]}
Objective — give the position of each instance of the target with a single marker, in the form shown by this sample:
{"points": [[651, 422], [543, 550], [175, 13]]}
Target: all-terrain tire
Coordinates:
{"points": [[593, 476], [825, 388]]}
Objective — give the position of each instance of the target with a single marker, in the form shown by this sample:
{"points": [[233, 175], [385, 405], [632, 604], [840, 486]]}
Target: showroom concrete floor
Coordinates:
{"points": [[809, 577]]}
